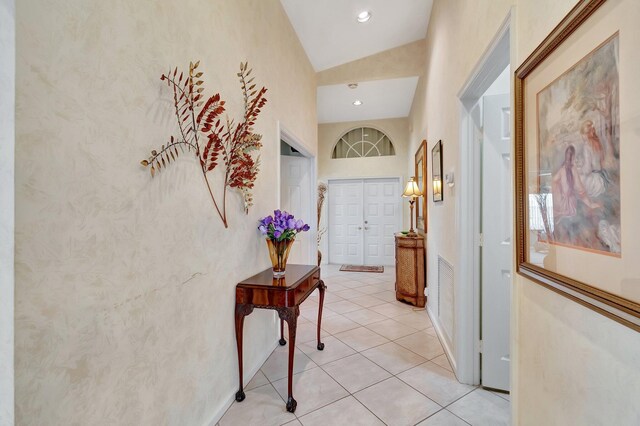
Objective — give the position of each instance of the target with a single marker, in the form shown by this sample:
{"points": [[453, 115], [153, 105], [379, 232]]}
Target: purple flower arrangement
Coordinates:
{"points": [[281, 226]]}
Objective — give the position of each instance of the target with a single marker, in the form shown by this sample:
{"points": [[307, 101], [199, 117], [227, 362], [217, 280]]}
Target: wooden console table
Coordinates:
{"points": [[285, 296]]}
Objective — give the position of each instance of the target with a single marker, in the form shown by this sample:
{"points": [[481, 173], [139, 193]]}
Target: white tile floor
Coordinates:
{"points": [[382, 364]]}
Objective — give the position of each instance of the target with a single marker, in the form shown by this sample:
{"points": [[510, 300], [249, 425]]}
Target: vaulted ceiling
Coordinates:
{"points": [[379, 54]]}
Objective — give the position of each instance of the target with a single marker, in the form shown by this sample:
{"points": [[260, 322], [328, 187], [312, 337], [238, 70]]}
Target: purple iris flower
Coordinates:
{"points": [[281, 225]]}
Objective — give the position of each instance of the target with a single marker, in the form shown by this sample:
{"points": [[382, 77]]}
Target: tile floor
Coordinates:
{"points": [[382, 364]]}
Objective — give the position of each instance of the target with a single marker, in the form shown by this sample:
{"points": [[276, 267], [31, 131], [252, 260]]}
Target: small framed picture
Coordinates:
{"points": [[436, 171], [421, 179]]}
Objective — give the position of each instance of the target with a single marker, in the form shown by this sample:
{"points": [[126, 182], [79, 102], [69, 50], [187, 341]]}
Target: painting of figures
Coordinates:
{"points": [[579, 153]]}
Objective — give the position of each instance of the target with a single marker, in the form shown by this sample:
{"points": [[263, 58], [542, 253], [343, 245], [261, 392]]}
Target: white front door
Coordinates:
{"points": [[294, 198], [496, 246], [381, 212], [345, 222], [364, 215]]}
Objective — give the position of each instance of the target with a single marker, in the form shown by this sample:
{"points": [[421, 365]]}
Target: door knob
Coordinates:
{"points": [[360, 228]]}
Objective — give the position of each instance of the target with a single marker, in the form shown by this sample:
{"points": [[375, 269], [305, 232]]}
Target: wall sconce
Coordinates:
{"points": [[437, 188], [412, 191]]}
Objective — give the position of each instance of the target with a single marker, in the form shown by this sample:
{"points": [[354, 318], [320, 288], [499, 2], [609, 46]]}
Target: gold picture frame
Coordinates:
{"points": [[572, 195], [421, 179]]}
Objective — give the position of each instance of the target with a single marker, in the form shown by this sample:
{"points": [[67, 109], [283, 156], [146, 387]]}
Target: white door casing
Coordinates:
{"points": [[364, 215], [496, 242], [294, 186]]}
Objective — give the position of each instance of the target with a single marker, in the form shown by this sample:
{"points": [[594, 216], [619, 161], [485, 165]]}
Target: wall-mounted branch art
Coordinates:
{"points": [[214, 141], [576, 194]]}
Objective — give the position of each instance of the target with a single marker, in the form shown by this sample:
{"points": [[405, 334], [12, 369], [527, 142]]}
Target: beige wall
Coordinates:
{"points": [[402, 61], [125, 285], [7, 147], [571, 365]]}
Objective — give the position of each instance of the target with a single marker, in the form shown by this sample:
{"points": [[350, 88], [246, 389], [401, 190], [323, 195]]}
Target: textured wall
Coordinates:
{"points": [[125, 285], [402, 61], [7, 146]]}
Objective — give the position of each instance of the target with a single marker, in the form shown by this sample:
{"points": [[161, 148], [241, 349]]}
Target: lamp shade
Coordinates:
{"points": [[412, 190]]}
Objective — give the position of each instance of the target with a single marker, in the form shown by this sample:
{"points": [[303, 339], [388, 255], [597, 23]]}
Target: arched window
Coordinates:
{"points": [[363, 142]]}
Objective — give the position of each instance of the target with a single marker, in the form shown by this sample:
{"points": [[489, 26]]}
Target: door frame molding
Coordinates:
{"points": [[328, 201], [283, 133], [467, 216]]}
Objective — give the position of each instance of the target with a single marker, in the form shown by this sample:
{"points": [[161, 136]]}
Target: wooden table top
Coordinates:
{"points": [[294, 275]]}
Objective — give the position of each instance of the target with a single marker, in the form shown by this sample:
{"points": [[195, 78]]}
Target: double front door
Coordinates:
{"points": [[364, 215]]}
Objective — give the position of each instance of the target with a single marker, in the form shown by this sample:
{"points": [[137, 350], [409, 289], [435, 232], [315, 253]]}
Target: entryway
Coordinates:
{"points": [[298, 194], [364, 215], [484, 271]]}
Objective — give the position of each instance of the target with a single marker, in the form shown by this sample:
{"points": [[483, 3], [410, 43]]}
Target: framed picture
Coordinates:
{"points": [[577, 197], [421, 179], [436, 171]]}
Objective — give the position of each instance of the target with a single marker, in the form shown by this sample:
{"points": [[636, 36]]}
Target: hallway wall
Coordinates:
{"points": [[459, 32], [125, 284], [571, 364]]}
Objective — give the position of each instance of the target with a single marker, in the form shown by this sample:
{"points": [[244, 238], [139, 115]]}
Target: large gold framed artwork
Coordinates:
{"points": [[421, 179], [577, 145]]}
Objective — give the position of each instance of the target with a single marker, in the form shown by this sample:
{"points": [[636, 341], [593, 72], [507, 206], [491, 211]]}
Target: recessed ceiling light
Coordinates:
{"points": [[352, 85], [364, 16], [357, 102]]}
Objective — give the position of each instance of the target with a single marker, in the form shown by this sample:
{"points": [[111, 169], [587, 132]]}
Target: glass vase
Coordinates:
{"points": [[279, 252]]}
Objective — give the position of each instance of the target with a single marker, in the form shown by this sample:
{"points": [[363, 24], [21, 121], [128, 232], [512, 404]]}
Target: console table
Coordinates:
{"points": [[285, 296]]}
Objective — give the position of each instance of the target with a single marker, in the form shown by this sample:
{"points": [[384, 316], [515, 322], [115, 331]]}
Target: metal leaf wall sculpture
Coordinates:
{"points": [[212, 140]]}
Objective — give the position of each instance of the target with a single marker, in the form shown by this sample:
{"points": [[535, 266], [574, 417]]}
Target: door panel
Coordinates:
{"points": [[295, 183], [345, 222], [381, 220], [496, 247]]}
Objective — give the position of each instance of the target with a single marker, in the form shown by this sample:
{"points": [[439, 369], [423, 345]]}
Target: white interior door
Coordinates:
{"points": [[345, 222], [381, 213], [294, 198], [496, 246]]}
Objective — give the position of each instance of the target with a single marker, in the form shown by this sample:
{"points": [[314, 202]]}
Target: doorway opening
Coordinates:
{"points": [[364, 215], [483, 273], [297, 193]]}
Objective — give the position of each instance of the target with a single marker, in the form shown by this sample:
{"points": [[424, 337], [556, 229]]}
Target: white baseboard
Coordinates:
{"points": [[247, 378], [445, 345]]}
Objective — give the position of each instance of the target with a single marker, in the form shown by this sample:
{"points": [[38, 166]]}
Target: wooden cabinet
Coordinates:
{"points": [[410, 270]]}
